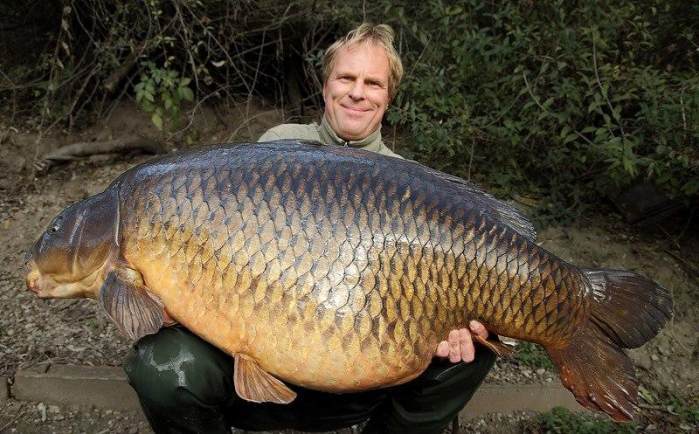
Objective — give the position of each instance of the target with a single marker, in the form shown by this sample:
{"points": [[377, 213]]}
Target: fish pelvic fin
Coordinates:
{"points": [[498, 348], [627, 310], [254, 384], [128, 303]]}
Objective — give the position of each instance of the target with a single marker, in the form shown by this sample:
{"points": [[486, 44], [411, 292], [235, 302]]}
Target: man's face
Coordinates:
{"points": [[356, 91]]}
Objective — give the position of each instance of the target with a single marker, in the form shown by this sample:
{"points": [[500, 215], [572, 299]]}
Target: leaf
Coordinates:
{"points": [[544, 68], [187, 94], [157, 121], [565, 131], [691, 188], [570, 137]]}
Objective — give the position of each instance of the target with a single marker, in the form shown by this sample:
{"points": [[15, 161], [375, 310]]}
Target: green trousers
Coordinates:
{"points": [[185, 385]]}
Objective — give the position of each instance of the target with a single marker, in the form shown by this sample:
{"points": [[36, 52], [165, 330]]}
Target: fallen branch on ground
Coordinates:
{"points": [[76, 151]]}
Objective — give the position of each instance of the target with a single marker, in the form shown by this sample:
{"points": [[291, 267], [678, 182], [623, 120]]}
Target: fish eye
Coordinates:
{"points": [[55, 226]]}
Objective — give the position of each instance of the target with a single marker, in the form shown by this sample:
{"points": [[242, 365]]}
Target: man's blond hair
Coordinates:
{"points": [[381, 35]]}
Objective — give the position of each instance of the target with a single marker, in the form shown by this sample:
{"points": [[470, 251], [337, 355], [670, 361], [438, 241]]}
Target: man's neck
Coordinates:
{"points": [[372, 142]]}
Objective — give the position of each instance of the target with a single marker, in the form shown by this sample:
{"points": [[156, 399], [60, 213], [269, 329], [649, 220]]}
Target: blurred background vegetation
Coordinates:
{"points": [[556, 103]]}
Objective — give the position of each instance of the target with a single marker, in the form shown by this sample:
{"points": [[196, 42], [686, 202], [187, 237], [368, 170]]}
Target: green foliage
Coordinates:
{"points": [[683, 412], [161, 93], [687, 411], [561, 420], [554, 100], [562, 98], [533, 355]]}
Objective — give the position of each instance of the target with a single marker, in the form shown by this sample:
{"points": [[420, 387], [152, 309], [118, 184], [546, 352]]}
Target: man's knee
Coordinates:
{"points": [[435, 398], [174, 367]]}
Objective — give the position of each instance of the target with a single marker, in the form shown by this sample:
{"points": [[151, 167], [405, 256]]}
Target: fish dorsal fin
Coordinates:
{"points": [[502, 211], [254, 384], [134, 310]]}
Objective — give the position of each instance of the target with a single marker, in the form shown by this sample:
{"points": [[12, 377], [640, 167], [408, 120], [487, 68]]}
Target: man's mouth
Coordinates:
{"points": [[355, 109]]}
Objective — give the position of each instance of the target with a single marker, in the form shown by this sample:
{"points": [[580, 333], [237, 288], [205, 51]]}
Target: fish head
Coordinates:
{"points": [[69, 258]]}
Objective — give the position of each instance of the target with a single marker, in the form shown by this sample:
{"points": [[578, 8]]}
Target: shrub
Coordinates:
{"points": [[557, 100], [561, 98]]}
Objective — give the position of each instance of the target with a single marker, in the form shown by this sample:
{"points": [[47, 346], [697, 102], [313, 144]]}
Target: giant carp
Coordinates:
{"points": [[271, 251]]}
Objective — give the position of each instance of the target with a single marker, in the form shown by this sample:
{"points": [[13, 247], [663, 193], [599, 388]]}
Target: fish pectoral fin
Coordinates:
{"points": [[254, 384], [498, 348], [168, 321], [134, 310]]}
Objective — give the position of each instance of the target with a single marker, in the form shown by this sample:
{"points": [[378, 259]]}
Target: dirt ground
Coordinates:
{"points": [[25, 417], [77, 332]]}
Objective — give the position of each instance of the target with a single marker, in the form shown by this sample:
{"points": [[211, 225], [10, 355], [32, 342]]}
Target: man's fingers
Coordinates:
{"points": [[454, 347], [478, 328], [466, 343], [442, 349], [459, 344]]}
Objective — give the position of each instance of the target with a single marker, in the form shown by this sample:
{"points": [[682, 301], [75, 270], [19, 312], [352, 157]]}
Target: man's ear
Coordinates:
{"points": [[325, 88]]}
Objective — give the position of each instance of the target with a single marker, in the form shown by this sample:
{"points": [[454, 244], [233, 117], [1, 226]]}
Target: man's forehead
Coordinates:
{"points": [[362, 56]]}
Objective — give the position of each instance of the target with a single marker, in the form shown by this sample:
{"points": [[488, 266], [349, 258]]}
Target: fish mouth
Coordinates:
{"points": [[33, 285], [47, 285], [33, 279]]}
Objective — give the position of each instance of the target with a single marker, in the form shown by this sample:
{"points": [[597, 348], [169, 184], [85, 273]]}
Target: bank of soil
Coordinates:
{"points": [[77, 332]]}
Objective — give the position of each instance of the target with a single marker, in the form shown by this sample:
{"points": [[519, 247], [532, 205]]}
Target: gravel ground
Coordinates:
{"points": [[31, 417]]}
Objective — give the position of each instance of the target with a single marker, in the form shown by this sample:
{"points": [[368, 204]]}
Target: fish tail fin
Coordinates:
{"points": [[627, 307], [627, 311]]}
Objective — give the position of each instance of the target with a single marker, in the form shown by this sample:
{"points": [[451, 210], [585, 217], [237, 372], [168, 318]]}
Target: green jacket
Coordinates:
{"points": [[324, 133]]}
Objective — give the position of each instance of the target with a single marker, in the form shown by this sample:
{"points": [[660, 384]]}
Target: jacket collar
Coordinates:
{"points": [[372, 142]]}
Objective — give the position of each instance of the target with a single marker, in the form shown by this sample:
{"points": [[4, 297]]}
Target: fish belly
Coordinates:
{"points": [[301, 342]]}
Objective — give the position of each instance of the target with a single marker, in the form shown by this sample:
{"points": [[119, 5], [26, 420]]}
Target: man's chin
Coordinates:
{"points": [[352, 132]]}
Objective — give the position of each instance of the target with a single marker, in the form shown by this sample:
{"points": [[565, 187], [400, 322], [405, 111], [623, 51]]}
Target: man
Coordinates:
{"points": [[186, 385], [360, 78]]}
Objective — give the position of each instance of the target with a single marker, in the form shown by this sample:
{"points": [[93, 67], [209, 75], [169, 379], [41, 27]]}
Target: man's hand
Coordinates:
{"points": [[460, 344]]}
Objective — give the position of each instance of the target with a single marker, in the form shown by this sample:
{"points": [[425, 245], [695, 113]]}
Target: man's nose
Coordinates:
{"points": [[357, 90]]}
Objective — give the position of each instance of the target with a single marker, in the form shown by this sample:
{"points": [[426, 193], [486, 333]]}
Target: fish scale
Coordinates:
{"points": [[340, 270], [313, 204]]}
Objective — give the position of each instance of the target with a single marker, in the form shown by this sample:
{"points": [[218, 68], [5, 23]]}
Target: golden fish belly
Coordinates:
{"points": [[320, 346]]}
